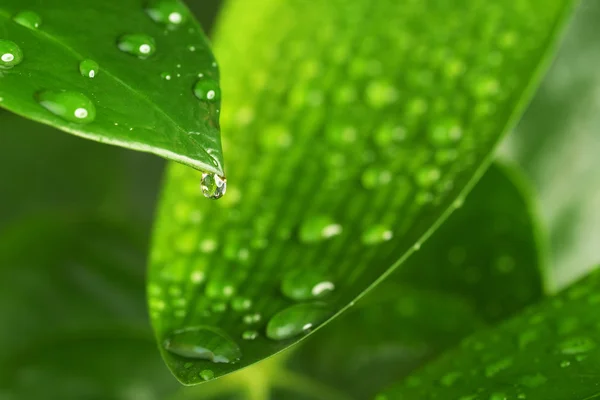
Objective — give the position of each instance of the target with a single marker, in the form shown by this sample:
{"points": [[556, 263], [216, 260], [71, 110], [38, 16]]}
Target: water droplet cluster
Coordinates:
{"points": [[342, 157]]}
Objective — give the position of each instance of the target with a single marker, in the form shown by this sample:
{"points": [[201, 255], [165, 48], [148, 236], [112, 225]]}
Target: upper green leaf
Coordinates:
{"points": [[355, 126], [141, 76], [549, 352]]}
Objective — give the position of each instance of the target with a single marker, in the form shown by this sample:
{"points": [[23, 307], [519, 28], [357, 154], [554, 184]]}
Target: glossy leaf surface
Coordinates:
{"points": [[549, 352], [141, 96], [424, 308], [351, 142]]}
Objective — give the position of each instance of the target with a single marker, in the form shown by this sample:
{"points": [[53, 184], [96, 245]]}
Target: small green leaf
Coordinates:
{"points": [[377, 121], [551, 351], [121, 72]]}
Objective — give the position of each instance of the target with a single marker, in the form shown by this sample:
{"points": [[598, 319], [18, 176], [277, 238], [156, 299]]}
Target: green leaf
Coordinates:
{"points": [[142, 93], [557, 147], [73, 238], [422, 309], [352, 142], [549, 352]]}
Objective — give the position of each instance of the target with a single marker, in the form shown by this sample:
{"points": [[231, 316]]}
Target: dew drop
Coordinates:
{"points": [[207, 90], [207, 374], [137, 44], [241, 303], [28, 19], [204, 343], [220, 289], [70, 106], [10, 54], [167, 12], [166, 76], [296, 320], [249, 335], [250, 319], [576, 345], [565, 364], [374, 178], [305, 284], [317, 228], [213, 186], [427, 176], [89, 68], [376, 234]]}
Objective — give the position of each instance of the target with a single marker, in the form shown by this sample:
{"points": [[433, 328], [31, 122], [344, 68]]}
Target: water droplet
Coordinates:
{"points": [[318, 228], [137, 44], [220, 289], [166, 76], [296, 320], [577, 345], [498, 396], [533, 381], [451, 378], [28, 19], [207, 90], [445, 132], [241, 303], [498, 366], [376, 234], [250, 319], [204, 343], [213, 186], [10, 54], [70, 106], [305, 284], [89, 68], [427, 176], [249, 335], [207, 374], [374, 178], [167, 12], [565, 364]]}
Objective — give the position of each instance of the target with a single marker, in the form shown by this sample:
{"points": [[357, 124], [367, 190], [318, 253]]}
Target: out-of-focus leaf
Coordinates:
{"points": [[549, 352], [354, 127], [74, 220], [557, 144], [115, 71], [422, 309]]}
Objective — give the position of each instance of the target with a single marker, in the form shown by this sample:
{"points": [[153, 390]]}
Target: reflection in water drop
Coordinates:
{"points": [[70, 106], [213, 186], [205, 343]]}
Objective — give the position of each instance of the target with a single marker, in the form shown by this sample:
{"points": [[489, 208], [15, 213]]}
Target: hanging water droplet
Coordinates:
{"points": [[137, 44], [28, 19], [249, 335], [207, 374], [70, 106], [89, 68], [305, 284], [376, 234], [204, 343], [241, 303], [318, 228], [296, 320], [167, 12], [207, 90], [10, 54], [213, 186]]}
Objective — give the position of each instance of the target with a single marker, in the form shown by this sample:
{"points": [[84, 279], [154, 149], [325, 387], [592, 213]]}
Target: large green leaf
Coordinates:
{"points": [[141, 97], [549, 352], [408, 320], [557, 145], [363, 130], [73, 237]]}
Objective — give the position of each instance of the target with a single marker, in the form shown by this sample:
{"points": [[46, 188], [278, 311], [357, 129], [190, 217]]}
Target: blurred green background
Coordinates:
{"points": [[75, 219]]}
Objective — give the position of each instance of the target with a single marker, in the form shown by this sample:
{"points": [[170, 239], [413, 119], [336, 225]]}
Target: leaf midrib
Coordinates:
{"points": [[107, 72]]}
